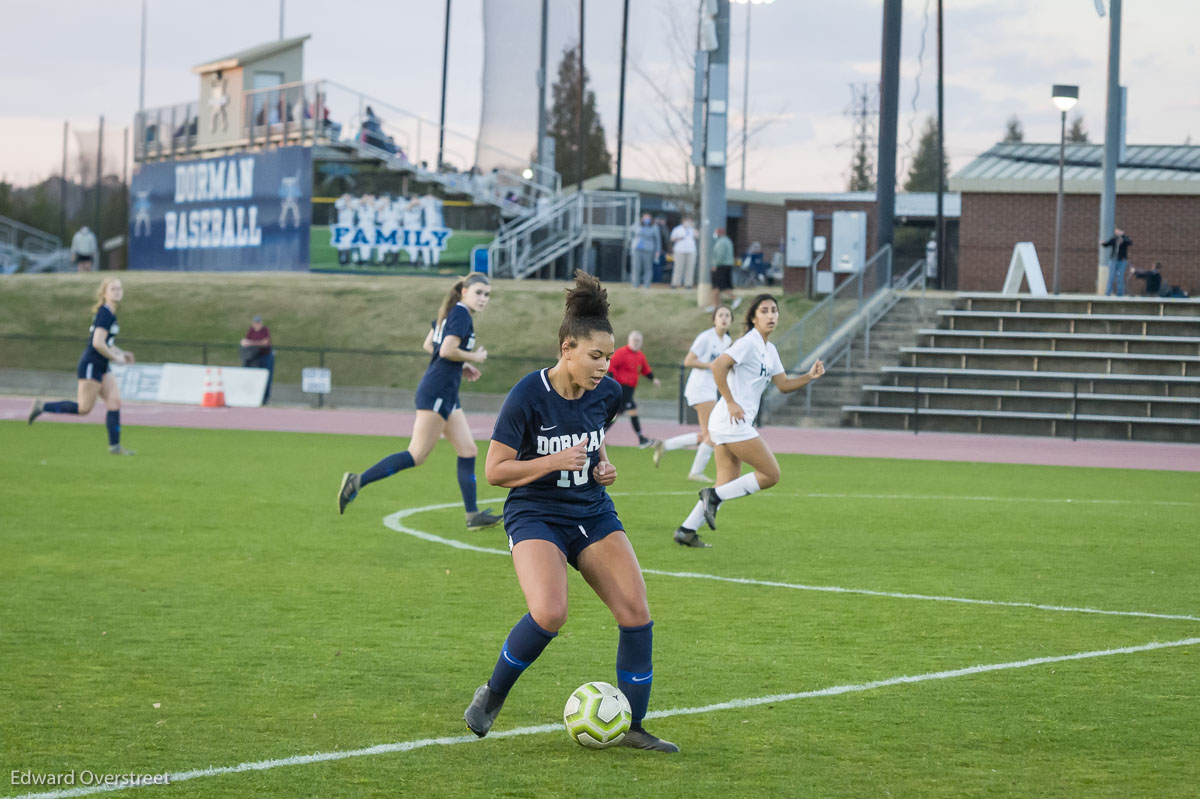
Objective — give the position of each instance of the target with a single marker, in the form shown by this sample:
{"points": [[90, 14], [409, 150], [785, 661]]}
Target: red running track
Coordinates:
{"points": [[803, 441]]}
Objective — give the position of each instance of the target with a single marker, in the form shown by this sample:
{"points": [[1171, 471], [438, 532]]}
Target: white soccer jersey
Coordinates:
{"points": [[345, 211], [366, 214], [756, 361], [412, 215], [433, 210], [700, 384]]}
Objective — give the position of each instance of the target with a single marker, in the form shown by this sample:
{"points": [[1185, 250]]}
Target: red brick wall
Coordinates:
{"points": [[1163, 228], [765, 224]]}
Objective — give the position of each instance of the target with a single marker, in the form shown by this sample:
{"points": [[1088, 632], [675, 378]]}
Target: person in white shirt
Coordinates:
{"points": [[741, 373], [366, 223], [683, 248], [83, 249], [701, 392], [412, 219], [387, 213]]}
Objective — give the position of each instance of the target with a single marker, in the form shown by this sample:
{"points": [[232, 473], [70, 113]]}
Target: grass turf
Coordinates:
{"points": [[212, 576]]}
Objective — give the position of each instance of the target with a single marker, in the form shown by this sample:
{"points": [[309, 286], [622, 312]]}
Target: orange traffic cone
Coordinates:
{"points": [[211, 397], [219, 388]]}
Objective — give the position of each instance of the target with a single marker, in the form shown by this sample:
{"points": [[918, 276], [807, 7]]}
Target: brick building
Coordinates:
{"points": [[914, 220], [1009, 195]]}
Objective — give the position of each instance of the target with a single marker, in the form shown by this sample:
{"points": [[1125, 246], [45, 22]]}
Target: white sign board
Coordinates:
{"points": [[186, 383], [316, 381], [1024, 264]]}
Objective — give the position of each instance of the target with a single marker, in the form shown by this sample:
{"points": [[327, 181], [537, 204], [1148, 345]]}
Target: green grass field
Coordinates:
{"points": [[518, 328], [203, 605]]}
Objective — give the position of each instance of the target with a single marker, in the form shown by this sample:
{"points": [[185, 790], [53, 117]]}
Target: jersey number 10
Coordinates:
{"points": [[564, 478]]}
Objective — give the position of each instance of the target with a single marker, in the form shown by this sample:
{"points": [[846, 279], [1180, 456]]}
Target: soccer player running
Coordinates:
{"points": [[451, 341], [741, 373], [701, 392], [628, 365], [548, 448], [94, 378]]}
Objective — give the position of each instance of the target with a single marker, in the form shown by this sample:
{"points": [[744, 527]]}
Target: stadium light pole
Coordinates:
{"points": [[281, 2], [445, 65], [142, 71], [1064, 98], [579, 155], [541, 119], [621, 100], [1112, 136], [889, 98], [746, 82]]}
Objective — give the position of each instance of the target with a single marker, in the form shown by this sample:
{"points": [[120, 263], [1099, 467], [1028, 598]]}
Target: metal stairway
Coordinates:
{"points": [[27, 249]]}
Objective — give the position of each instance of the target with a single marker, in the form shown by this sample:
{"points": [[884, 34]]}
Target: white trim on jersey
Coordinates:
{"points": [[545, 382]]}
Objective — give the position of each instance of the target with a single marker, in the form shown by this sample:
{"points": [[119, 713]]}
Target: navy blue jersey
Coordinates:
{"points": [[535, 421], [442, 373], [107, 320]]}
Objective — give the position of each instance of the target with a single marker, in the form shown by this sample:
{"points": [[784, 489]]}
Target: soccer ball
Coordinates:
{"points": [[597, 715]]}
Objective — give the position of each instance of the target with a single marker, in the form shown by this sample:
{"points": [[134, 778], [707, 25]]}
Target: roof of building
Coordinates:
{"points": [[256, 53], [915, 204], [1033, 169]]}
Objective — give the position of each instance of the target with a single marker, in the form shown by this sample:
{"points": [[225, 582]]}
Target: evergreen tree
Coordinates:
{"points": [[862, 170], [563, 124], [923, 174], [1013, 132], [1077, 133]]}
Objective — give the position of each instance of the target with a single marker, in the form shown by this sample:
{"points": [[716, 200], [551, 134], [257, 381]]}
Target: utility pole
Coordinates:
{"points": [[579, 153], [541, 120], [621, 101], [715, 210], [889, 100], [1112, 138], [940, 234], [445, 65]]}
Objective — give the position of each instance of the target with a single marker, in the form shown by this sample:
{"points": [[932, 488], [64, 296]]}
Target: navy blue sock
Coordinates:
{"points": [[637, 425], [634, 669], [112, 420], [386, 468], [525, 642], [63, 406], [466, 483]]}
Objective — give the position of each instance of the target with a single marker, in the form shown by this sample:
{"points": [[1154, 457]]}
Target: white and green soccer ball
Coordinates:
{"points": [[597, 715]]}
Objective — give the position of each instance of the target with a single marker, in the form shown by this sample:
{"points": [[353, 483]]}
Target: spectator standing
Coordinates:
{"points": [[722, 270], [683, 246], [1118, 261], [84, 249], [256, 352], [664, 246], [646, 247]]}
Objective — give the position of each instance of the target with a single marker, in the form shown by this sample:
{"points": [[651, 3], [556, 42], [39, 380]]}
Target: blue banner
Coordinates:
{"points": [[243, 212]]}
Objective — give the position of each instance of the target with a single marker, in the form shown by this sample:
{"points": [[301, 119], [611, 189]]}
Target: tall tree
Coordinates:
{"points": [[862, 169], [1077, 133], [1013, 132], [563, 124], [923, 174]]}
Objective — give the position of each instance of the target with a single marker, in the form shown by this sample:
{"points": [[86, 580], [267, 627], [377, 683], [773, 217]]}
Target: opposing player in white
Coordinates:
{"points": [[701, 392], [741, 374]]}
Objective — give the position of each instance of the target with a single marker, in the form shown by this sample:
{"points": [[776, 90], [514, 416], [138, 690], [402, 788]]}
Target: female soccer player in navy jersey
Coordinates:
{"points": [[94, 378], [451, 342], [741, 374], [701, 392], [548, 447]]}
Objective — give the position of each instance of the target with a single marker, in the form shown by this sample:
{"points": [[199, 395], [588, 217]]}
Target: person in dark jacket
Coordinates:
{"points": [[1118, 261]]}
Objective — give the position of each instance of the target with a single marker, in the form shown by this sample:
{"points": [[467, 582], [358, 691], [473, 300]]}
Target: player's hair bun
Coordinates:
{"points": [[587, 299], [587, 309]]}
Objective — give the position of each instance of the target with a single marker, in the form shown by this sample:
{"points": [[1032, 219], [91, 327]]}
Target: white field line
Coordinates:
{"points": [[834, 690], [395, 521]]}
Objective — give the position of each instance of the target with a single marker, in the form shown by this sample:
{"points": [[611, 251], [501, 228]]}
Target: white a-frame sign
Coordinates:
{"points": [[1024, 264]]}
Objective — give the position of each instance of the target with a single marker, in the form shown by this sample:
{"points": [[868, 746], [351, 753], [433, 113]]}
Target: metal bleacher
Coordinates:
{"points": [[1077, 366]]}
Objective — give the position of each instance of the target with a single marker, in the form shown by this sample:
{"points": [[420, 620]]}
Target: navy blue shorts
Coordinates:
{"points": [[571, 539], [92, 367], [443, 402], [627, 403]]}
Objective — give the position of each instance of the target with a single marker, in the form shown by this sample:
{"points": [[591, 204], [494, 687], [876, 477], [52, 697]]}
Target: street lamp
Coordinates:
{"points": [[746, 80], [1064, 98]]}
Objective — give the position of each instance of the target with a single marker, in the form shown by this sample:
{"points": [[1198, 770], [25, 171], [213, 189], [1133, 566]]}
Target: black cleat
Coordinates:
{"points": [[483, 519], [711, 502], [348, 490], [36, 410], [690, 538], [645, 443], [482, 712], [640, 739]]}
